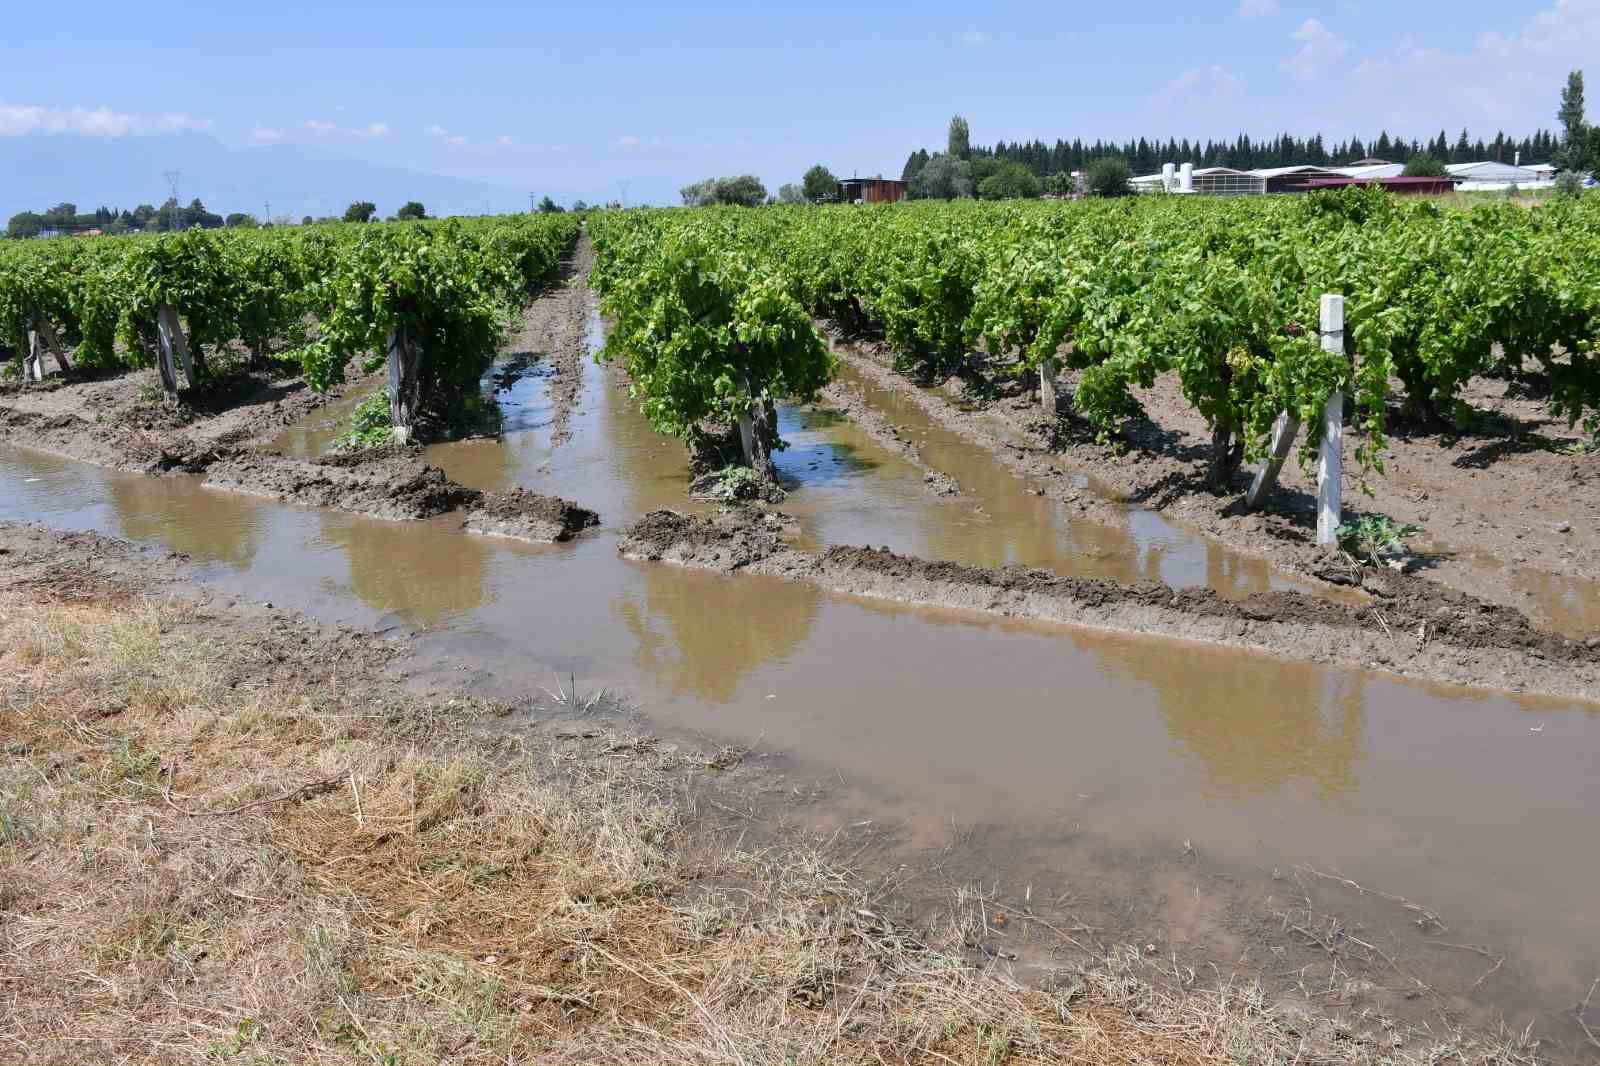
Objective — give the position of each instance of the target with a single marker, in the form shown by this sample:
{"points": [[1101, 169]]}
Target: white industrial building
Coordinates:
{"points": [[1490, 176], [1225, 181]]}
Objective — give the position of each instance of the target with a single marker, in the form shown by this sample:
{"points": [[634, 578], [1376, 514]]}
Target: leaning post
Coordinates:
{"points": [[174, 349], [1283, 434], [1331, 459]]}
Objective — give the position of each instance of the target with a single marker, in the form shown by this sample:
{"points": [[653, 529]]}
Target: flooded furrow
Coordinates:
{"points": [[1107, 766]]}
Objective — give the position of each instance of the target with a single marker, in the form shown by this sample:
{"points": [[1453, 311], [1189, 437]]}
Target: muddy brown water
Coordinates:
{"points": [[1109, 768]]}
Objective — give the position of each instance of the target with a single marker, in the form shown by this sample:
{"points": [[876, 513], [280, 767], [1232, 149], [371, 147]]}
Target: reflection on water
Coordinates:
{"points": [[703, 634], [1254, 730], [429, 571], [205, 527]]}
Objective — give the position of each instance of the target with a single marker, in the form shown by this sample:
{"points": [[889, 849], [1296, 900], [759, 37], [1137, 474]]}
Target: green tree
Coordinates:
{"points": [[959, 141], [548, 206], [307, 220], [240, 220], [790, 193], [1012, 181], [412, 211], [360, 211], [944, 178], [819, 184], [1109, 177], [1061, 183], [1575, 154], [914, 165], [25, 224], [1423, 165], [745, 190]]}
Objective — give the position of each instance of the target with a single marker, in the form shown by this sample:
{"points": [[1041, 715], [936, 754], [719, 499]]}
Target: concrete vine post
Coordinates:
{"points": [[1330, 462], [169, 342], [175, 347], [1048, 370], [404, 383], [35, 357]]}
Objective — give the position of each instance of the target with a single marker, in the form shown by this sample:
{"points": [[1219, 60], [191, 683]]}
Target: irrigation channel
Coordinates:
{"points": [[1218, 808]]}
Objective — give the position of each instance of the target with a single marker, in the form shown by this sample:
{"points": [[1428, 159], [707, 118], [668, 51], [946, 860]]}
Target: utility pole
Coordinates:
{"points": [[173, 177], [530, 203], [623, 185]]}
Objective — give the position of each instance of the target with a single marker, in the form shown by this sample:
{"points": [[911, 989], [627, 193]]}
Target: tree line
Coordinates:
{"points": [[66, 218], [1244, 153]]}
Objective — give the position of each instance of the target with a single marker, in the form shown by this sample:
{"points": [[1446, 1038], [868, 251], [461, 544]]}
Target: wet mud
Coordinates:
{"points": [[1492, 527], [393, 488], [525, 515], [1411, 628]]}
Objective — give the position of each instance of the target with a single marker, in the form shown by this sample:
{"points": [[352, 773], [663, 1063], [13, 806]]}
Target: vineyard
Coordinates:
{"points": [[714, 308], [435, 295]]}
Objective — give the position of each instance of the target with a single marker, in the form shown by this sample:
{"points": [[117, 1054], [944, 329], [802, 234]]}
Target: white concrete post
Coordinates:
{"points": [[404, 384], [174, 344], [1048, 369], [1329, 466], [1284, 431], [35, 356]]}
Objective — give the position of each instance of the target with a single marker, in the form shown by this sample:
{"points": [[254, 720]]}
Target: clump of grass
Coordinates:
{"points": [[371, 425], [241, 847]]}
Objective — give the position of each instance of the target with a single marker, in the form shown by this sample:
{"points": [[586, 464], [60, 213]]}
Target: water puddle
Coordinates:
{"points": [[1475, 804]]}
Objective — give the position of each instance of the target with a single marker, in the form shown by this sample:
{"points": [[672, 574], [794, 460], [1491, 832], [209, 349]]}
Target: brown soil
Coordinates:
{"points": [[1508, 516], [853, 404], [385, 487], [528, 516], [121, 422], [1410, 627]]}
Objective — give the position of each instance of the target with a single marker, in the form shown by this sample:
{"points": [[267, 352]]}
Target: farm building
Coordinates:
{"points": [[1292, 179], [1371, 169], [1206, 181], [1398, 184], [872, 191], [1491, 176]]}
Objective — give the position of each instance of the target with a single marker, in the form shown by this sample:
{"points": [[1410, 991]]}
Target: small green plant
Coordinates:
{"points": [[735, 483], [370, 425], [1377, 539]]}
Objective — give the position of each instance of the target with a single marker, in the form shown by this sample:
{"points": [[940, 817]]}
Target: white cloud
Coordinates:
{"points": [[371, 132], [1197, 85], [1320, 52], [629, 141], [504, 140], [266, 135], [1255, 9], [974, 38], [434, 130], [1510, 81], [17, 120]]}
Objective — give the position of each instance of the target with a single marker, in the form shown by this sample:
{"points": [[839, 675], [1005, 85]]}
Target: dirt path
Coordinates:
{"points": [[555, 327], [1509, 519], [1411, 628]]}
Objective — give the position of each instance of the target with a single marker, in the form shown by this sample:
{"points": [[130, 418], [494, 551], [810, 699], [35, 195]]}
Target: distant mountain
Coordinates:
{"points": [[38, 171]]}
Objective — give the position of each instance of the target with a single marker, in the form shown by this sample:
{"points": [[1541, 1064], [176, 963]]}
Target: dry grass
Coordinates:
{"points": [[213, 850]]}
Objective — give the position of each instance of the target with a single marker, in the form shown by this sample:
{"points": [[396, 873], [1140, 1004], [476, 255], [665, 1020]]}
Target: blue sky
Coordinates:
{"points": [[588, 96]]}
